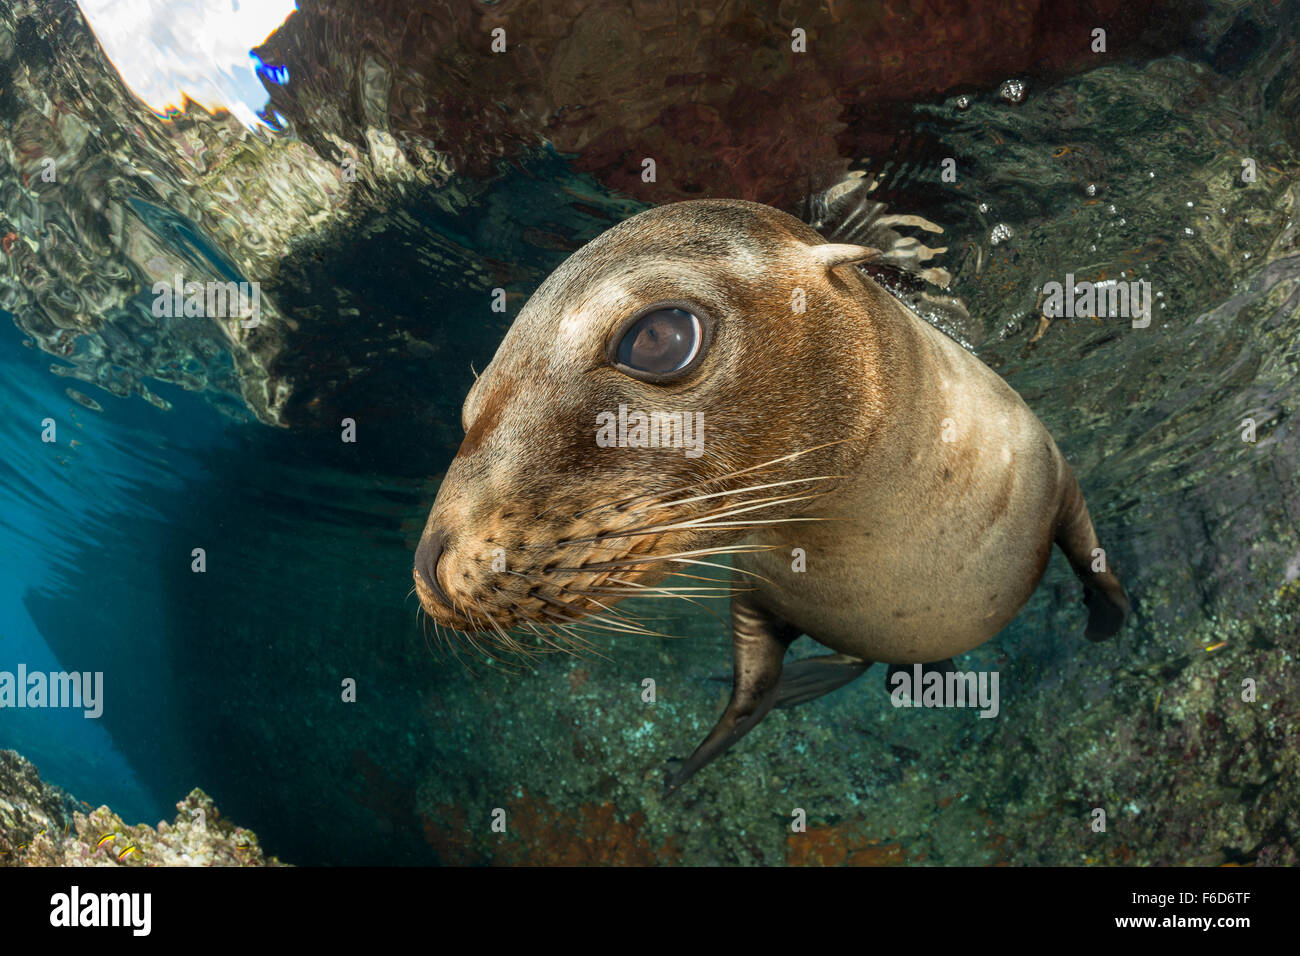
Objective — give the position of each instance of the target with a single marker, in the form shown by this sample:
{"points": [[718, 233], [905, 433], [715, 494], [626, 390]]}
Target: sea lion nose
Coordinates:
{"points": [[427, 556]]}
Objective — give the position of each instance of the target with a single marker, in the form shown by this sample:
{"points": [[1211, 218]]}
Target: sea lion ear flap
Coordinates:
{"points": [[833, 254]]}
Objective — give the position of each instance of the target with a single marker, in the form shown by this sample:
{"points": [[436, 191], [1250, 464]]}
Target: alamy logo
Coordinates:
{"points": [[213, 300], [1110, 297], [75, 908], [82, 691], [934, 688], [653, 430]]}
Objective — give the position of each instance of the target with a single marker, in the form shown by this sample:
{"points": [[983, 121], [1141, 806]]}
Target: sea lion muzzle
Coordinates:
{"points": [[427, 556]]}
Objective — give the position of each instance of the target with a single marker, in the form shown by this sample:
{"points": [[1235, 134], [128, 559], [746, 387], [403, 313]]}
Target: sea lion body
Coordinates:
{"points": [[945, 525], [878, 487]]}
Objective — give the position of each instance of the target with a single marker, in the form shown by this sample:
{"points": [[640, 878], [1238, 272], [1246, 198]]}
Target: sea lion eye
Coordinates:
{"points": [[661, 345]]}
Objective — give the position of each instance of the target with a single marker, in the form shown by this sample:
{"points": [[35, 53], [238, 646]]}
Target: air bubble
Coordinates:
{"points": [[1013, 91]]}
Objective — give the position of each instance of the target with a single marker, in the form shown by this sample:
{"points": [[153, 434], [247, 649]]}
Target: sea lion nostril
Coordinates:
{"points": [[427, 556]]}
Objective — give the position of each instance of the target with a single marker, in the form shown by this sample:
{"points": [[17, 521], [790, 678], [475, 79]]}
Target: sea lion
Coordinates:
{"points": [[919, 488]]}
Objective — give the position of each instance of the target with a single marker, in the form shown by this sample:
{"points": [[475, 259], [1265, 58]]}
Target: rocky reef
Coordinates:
{"points": [[571, 760], [43, 825]]}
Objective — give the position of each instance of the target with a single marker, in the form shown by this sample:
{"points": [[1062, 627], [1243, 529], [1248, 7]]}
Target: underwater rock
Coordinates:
{"points": [[395, 116], [43, 825], [100, 199], [92, 187], [718, 97]]}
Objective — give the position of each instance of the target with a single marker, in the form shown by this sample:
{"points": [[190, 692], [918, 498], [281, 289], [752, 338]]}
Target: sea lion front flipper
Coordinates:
{"points": [[810, 678], [759, 641]]}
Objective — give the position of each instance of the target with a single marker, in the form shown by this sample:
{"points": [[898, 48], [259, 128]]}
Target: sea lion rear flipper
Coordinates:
{"points": [[759, 640], [1103, 595]]}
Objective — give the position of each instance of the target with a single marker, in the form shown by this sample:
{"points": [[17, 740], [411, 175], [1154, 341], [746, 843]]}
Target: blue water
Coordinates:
{"points": [[97, 490]]}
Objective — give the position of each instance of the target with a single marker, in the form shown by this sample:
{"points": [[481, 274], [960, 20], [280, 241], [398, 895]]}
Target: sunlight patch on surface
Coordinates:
{"points": [[166, 50]]}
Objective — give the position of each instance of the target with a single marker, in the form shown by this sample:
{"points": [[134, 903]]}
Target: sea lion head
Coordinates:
{"points": [[719, 328]]}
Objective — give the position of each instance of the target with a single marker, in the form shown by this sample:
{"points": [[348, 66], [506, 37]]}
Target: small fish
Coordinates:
{"points": [[105, 839], [1215, 647], [125, 853], [1159, 694]]}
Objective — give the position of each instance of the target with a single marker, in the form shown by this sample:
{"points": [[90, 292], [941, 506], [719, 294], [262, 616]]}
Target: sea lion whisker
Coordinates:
{"points": [[699, 521], [472, 638], [721, 567], [651, 591], [488, 641], [564, 589], [740, 507], [550, 645], [562, 543], [507, 642], [672, 590], [586, 615], [434, 644], [696, 577], [627, 627], [729, 523], [726, 525], [597, 623], [681, 591], [561, 644], [683, 525], [708, 564], [619, 616], [740, 491], [632, 594], [572, 635], [576, 637], [709, 579], [568, 606], [619, 613], [452, 646], [755, 504], [714, 480], [661, 558], [680, 597], [424, 633]]}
